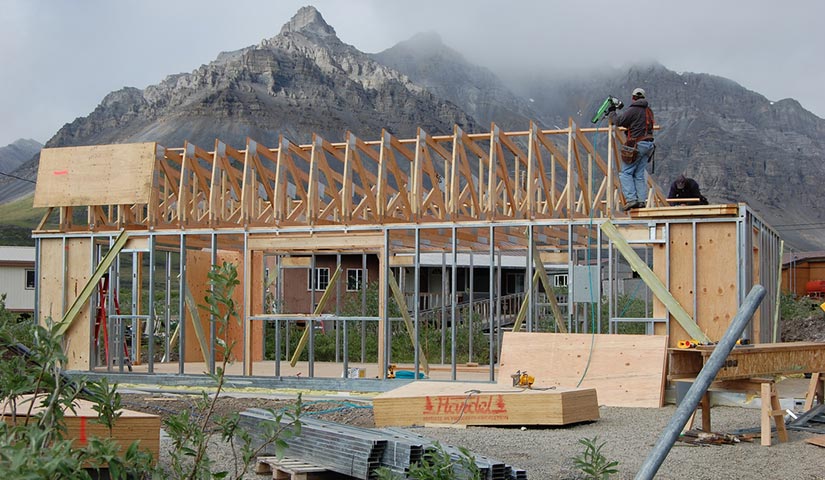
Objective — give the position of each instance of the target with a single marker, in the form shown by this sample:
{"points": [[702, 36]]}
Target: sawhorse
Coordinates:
{"points": [[816, 390], [766, 389]]}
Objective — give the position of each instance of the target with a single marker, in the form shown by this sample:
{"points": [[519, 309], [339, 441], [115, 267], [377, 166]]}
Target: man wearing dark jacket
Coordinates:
{"points": [[638, 120], [684, 187]]}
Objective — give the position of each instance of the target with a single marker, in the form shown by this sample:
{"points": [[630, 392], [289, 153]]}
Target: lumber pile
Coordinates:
{"points": [[82, 425], [625, 370], [464, 403]]}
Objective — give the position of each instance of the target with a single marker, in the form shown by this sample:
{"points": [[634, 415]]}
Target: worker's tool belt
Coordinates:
{"points": [[629, 152]]}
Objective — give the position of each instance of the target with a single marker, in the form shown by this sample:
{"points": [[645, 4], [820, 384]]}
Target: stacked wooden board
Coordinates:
{"points": [[625, 370], [465, 403], [82, 425]]}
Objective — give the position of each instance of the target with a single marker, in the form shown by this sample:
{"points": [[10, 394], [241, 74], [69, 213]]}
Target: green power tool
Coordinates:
{"points": [[602, 111]]}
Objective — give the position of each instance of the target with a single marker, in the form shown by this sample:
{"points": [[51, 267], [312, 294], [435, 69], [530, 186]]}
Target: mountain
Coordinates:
{"points": [[13, 157], [14, 154], [301, 81], [427, 61], [740, 146]]}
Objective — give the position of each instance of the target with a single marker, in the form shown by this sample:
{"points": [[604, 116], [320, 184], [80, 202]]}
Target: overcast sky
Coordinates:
{"points": [[61, 57]]}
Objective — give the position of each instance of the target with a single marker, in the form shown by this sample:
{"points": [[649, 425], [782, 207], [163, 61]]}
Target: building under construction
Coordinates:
{"points": [[466, 235]]}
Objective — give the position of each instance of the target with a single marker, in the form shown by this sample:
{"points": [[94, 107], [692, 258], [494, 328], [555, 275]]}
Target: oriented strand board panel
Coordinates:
{"points": [[625, 370], [424, 402], [680, 284], [716, 277], [198, 264], [82, 425], [78, 337], [713, 258], [764, 359], [50, 280], [95, 175]]}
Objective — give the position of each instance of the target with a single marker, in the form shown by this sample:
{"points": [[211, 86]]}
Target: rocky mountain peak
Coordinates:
{"points": [[425, 43], [308, 20]]}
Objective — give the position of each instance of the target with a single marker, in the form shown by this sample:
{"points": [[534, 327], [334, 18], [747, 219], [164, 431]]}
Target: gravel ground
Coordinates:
{"points": [[547, 453]]}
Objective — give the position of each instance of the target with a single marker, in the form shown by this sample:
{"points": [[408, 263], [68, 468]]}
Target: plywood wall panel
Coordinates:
{"points": [[625, 370], [716, 276], [95, 175], [79, 271], [198, 264]]}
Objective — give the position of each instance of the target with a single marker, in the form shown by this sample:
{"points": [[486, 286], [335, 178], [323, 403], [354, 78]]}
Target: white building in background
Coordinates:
{"points": [[17, 278]]}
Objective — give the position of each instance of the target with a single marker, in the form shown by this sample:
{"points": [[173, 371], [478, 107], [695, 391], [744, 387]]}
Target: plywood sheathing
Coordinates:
{"points": [[462, 403], [82, 425], [714, 259], [198, 264], [74, 274], [625, 370], [96, 175]]}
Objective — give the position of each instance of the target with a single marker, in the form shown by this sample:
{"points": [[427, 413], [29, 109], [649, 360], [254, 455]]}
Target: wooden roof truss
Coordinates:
{"points": [[534, 174]]}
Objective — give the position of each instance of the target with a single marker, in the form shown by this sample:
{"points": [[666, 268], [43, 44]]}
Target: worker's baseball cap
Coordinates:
{"points": [[638, 92]]}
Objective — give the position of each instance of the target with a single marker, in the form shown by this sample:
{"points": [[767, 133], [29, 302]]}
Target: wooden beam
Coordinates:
{"points": [[105, 263], [318, 310], [408, 322], [653, 282]]}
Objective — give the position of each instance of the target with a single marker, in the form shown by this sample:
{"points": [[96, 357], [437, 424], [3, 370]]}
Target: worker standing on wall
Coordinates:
{"points": [[638, 149], [684, 187]]}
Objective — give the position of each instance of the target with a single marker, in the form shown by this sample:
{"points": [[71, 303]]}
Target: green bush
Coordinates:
{"points": [[34, 446]]}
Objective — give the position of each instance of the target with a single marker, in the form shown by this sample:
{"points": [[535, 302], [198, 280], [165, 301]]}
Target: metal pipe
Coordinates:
{"points": [[151, 322], [310, 323], [364, 309], [454, 305], [471, 312], [492, 312], [416, 303], [182, 305], [700, 385], [212, 327], [338, 309]]}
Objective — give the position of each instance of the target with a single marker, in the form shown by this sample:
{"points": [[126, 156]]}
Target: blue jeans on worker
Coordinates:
{"points": [[632, 175]]}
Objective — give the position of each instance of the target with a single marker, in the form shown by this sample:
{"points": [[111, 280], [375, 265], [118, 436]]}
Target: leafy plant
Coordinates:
{"points": [[33, 444], [438, 464], [592, 461], [191, 436]]}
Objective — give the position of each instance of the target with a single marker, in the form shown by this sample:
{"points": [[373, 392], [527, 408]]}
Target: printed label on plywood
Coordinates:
{"points": [[448, 409]]}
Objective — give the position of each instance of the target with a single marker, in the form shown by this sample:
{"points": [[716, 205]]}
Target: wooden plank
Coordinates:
{"points": [[703, 211], [82, 425], [408, 322], [654, 283], [764, 359], [819, 441], [320, 241], [95, 175], [318, 310], [463, 403], [78, 249], [625, 370]]}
